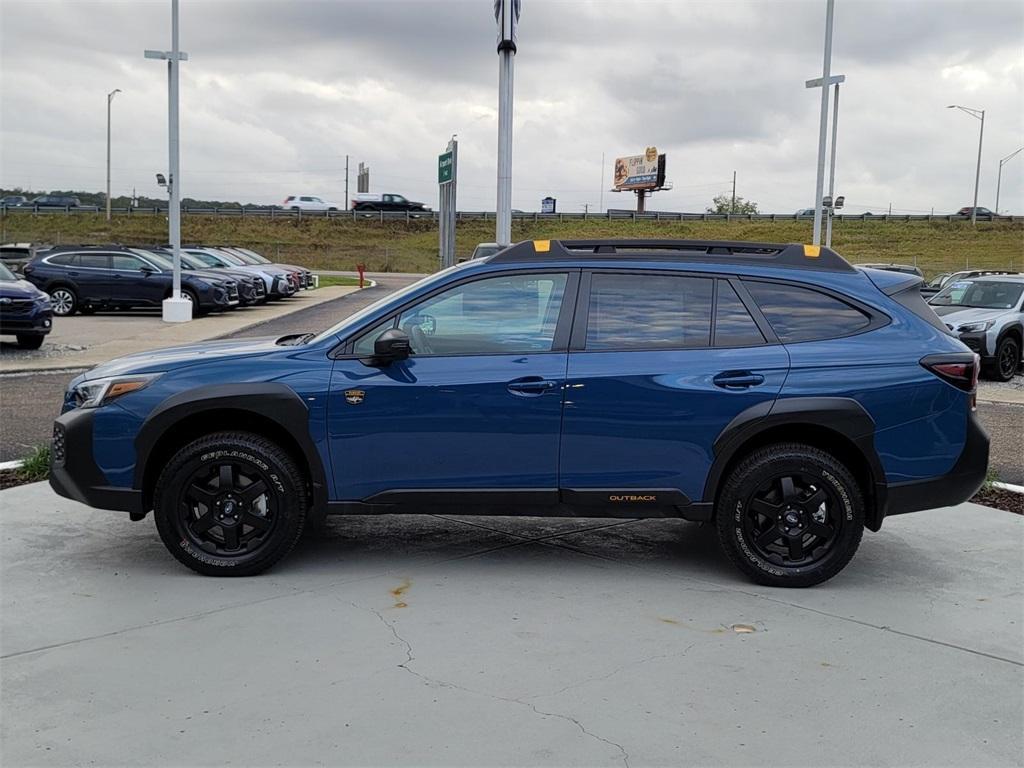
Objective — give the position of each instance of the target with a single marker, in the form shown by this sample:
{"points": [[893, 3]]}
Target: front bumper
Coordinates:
{"points": [[27, 320], [977, 342], [74, 474], [954, 487]]}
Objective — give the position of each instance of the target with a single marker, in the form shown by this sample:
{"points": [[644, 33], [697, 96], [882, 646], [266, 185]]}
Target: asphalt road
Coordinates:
{"points": [[30, 402]]}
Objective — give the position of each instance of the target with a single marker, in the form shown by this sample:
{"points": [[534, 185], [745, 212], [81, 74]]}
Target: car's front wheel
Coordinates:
{"points": [[230, 504], [1007, 359], [790, 515]]}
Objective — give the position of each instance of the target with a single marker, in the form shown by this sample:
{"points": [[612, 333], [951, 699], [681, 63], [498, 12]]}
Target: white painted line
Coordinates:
{"points": [[10, 465], [1009, 487]]}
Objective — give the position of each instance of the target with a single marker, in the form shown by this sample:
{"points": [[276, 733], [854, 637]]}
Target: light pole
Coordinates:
{"points": [[176, 309], [999, 178], [110, 98], [506, 13], [823, 122], [816, 83], [980, 115]]}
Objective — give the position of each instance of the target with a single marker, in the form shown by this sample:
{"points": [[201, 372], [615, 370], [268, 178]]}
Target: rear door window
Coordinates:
{"points": [[734, 327], [94, 260], [803, 314], [654, 311]]}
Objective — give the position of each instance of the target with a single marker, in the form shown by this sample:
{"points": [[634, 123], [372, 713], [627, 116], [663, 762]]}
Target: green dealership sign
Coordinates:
{"points": [[445, 164]]}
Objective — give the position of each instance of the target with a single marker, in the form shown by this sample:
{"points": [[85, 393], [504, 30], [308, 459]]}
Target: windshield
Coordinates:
{"points": [[391, 297], [255, 256], [981, 294], [6, 275], [244, 258], [160, 260], [230, 258]]}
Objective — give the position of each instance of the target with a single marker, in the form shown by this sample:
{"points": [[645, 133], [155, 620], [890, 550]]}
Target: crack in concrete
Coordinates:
{"points": [[411, 657]]}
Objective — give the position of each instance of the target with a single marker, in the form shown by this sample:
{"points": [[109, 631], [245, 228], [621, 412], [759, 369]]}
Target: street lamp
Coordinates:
{"points": [[819, 188], [506, 13], [999, 178], [176, 309], [110, 98], [980, 115], [817, 83]]}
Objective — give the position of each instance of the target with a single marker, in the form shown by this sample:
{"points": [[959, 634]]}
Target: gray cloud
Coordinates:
{"points": [[275, 94]]}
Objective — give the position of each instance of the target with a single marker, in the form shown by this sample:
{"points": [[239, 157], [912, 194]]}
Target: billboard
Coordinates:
{"points": [[646, 171]]}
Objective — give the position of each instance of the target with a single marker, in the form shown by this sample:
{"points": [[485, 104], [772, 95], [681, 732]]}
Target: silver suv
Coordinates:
{"points": [[987, 313]]}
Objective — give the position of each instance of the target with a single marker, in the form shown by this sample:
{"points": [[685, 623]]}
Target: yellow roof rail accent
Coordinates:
{"points": [[542, 246], [812, 251]]}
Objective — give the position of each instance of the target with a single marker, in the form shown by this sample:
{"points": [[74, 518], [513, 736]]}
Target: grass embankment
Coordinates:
{"points": [[398, 246]]}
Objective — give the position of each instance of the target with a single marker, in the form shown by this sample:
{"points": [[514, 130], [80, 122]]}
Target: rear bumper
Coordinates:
{"points": [[74, 474], [956, 486]]}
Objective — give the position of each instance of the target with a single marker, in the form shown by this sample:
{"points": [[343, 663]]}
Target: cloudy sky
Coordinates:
{"points": [[275, 94]]}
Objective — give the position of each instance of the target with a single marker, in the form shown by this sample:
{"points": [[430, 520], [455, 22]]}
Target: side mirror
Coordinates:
{"points": [[391, 346], [146, 270]]}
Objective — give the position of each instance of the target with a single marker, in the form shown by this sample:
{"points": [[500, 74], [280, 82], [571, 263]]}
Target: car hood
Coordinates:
{"points": [[956, 316], [19, 289], [181, 357]]}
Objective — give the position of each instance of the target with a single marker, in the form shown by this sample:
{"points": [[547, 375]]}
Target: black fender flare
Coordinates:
{"points": [[274, 401], [1017, 328], [842, 415]]}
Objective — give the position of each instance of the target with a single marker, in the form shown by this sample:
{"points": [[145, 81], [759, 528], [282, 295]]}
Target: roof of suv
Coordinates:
{"points": [[1013, 277], [792, 255]]}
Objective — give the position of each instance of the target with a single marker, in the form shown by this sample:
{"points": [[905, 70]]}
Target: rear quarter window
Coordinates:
{"points": [[804, 314]]}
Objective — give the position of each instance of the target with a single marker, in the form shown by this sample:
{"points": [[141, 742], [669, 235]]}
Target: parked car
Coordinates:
{"points": [[13, 201], [982, 212], [771, 390], [56, 201], [389, 201], [279, 283], [87, 278], [250, 287], [24, 310], [907, 269], [305, 276], [309, 203], [987, 314], [16, 255]]}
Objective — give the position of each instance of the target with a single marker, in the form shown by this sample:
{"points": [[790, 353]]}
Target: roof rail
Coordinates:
{"points": [[745, 252]]}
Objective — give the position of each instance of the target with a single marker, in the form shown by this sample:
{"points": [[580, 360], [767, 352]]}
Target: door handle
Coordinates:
{"points": [[737, 379], [531, 385]]}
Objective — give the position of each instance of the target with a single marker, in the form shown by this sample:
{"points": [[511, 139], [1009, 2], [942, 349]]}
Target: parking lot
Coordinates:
{"points": [[486, 641]]}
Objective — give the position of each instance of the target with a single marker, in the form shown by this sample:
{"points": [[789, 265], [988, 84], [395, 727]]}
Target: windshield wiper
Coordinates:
{"points": [[295, 339]]}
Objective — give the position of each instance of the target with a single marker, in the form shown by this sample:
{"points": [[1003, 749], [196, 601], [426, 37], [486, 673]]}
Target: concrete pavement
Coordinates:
{"points": [[444, 641]]}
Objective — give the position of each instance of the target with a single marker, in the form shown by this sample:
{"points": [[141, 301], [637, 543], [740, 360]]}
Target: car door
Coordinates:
{"points": [[475, 413], [135, 281], [659, 364], [92, 277]]}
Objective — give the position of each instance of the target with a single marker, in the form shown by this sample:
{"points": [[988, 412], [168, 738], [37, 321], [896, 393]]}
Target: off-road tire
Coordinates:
{"points": [[765, 466], [286, 501], [1007, 359]]}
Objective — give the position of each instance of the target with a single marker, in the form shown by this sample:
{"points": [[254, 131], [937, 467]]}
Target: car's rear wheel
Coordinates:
{"points": [[1007, 359], [63, 301], [30, 340], [230, 504], [790, 515]]}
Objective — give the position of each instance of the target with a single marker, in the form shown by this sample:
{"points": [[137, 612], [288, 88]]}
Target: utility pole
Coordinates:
{"points": [[732, 205], [832, 168], [110, 98], [999, 178], [826, 67], [176, 309], [346, 183], [978, 114], [506, 14]]}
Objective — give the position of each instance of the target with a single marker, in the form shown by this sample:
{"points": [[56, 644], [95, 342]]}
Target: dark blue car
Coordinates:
{"points": [[24, 310], [769, 389]]}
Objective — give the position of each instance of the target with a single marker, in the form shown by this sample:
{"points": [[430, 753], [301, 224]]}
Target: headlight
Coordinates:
{"points": [[43, 301], [975, 327], [96, 392]]}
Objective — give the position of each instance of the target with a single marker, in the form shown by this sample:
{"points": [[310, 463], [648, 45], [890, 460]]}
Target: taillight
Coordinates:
{"points": [[959, 369]]}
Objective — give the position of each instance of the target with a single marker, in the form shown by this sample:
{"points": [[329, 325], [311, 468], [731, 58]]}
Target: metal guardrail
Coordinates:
{"points": [[408, 216]]}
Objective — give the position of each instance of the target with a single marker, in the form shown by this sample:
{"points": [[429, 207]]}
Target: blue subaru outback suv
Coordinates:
{"points": [[771, 390]]}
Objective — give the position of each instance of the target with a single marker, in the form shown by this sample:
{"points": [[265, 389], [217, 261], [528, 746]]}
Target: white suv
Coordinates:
{"points": [[309, 203]]}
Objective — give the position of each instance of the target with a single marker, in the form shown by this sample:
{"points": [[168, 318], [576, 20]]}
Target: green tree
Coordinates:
{"points": [[723, 204]]}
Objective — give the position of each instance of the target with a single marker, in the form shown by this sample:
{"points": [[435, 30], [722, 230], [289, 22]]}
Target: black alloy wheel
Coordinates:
{"points": [[230, 504], [1007, 358], [790, 515]]}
